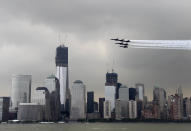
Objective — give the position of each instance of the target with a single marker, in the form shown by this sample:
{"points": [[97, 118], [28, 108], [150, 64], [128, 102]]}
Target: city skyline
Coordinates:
{"points": [[29, 33]]}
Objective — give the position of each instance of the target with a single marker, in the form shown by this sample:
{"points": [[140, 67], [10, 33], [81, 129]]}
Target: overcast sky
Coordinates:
{"points": [[29, 33]]}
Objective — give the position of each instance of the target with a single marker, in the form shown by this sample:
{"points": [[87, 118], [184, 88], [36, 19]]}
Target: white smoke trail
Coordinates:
{"points": [[161, 44]]}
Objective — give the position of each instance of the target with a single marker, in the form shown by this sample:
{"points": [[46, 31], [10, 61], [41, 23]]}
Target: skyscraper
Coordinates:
{"points": [[124, 93], [159, 99], [90, 102], [62, 74], [101, 106], [132, 93], [78, 100], [140, 92], [110, 96], [53, 86], [110, 90], [111, 79], [21, 90], [132, 109], [180, 94], [4, 108]]}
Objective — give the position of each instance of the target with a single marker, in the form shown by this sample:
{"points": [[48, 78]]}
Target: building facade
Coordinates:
{"points": [[78, 101], [53, 86], [90, 102], [4, 108], [101, 107], [132, 93], [21, 90], [110, 95], [62, 74], [140, 91], [132, 109], [30, 112], [124, 93], [107, 109]]}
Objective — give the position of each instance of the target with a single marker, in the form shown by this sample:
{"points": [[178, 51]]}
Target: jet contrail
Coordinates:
{"points": [[155, 44]]}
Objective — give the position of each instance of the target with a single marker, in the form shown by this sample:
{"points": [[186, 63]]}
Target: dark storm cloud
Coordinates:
{"points": [[29, 28]]}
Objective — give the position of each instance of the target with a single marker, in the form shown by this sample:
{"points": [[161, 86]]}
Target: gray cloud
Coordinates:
{"points": [[28, 38]]}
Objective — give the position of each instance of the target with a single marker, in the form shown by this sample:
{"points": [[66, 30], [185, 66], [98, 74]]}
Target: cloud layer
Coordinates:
{"points": [[29, 30]]}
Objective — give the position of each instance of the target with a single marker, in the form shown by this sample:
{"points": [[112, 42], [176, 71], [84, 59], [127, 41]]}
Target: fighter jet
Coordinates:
{"points": [[126, 46], [121, 40], [115, 39], [119, 43]]}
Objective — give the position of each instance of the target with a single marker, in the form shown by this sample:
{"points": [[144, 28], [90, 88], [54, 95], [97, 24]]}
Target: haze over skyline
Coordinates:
{"points": [[29, 32]]}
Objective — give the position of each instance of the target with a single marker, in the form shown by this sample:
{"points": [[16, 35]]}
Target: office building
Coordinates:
{"points": [[30, 112], [187, 108], [95, 106], [159, 100], [132, 93], [53, 86], [90, 102], [132, 109], [174, 104], [62, 74], [124, 93], [21, 90], [107, 109], [110, 96], [140, 91], [78, 101], [4, 108], [42, 97], [111, 79], [101, 107], [121, 109], [117, 90], [180, 94]]}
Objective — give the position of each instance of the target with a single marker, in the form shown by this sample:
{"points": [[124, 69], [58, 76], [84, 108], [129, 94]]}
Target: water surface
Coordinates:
{"points": [[98, 127]]}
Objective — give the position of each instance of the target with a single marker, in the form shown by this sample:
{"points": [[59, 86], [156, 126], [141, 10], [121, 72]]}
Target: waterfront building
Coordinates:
{"points": [[30, 112], [122, 109], [174, 110], [187, 108], [101, 106], [180, 94], [90, 102], [42, 97], [53, 86], [95, 106], [139, 108], [140, 91], [159, 101], [110, 96], [132, 93], [117, 90], [4, 108], [62, 74], [78, 101], [107, 109], [132, 109], [21, 90], [148, 112], [111, 79], [124, 93]]}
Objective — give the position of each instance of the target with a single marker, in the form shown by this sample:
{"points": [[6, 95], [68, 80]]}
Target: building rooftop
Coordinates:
{"points": [[78, 81]]}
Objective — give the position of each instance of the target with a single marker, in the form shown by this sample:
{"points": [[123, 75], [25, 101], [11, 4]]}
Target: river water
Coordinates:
{"points": [[98, 127]]}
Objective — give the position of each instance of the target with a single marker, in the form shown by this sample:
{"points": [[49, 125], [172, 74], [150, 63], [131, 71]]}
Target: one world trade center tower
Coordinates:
{"points": [[62, 74]]}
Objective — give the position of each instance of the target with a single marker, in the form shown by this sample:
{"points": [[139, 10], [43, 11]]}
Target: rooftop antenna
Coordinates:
{"points": [[113, 65]]}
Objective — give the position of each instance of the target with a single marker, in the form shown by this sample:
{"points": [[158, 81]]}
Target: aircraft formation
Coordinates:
{"points": [[154, 44]]}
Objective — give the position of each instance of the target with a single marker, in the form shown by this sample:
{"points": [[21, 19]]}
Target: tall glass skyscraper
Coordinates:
{"points": [[90, 102], [62, 74], [21, 90]]}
